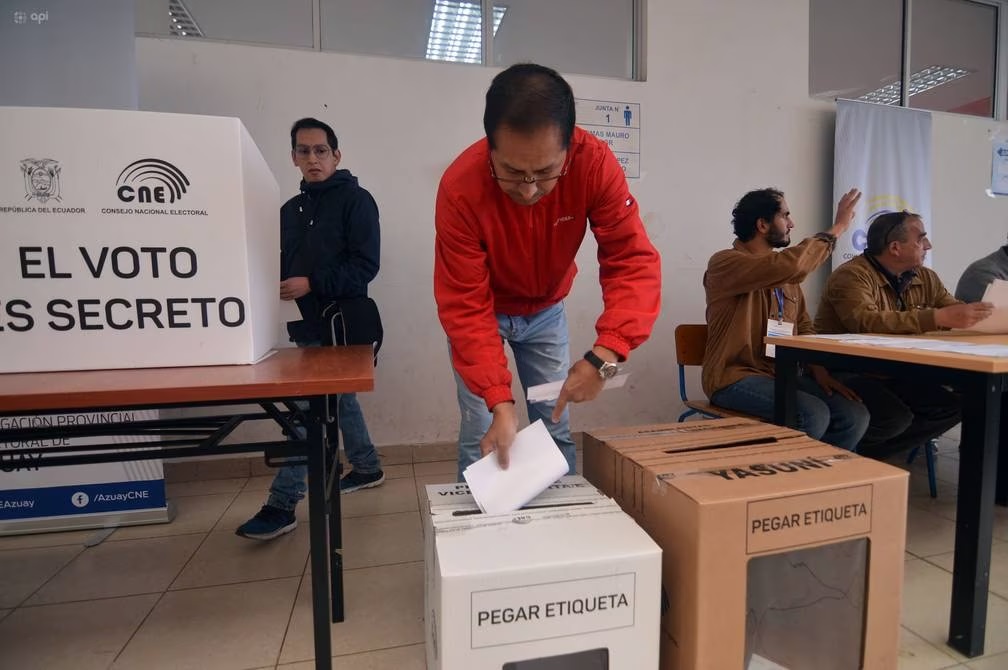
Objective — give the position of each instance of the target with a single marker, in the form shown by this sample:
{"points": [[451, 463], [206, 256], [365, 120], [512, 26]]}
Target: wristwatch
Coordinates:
{"points": [[606, 370]]}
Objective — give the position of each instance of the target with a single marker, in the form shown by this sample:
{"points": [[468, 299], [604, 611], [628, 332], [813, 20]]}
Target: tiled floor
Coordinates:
{"points": [[191, 594]]}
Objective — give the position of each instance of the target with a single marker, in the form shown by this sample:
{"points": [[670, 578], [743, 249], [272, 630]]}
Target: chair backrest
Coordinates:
{"points": [[690, 343], [690, 347]]}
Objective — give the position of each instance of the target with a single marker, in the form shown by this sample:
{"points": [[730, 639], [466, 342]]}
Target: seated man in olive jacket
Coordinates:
{"points": [[888, 290]]}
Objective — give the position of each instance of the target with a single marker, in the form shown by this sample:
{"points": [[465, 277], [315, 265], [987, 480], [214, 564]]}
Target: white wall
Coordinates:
{"points": [[967, 223], [725, 109]]}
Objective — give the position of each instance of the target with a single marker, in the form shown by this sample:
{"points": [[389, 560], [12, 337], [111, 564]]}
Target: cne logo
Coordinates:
{"points": [[151, 180]]}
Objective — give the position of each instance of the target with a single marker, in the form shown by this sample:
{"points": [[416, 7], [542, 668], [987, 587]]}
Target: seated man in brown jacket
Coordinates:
{"points": [[888, 290], [753, 291]]}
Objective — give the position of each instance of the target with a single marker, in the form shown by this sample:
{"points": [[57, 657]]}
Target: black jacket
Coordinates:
{"points": [[329, 233]]}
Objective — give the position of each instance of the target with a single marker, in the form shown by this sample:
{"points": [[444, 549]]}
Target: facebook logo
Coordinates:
{"points": [[80, 499]]}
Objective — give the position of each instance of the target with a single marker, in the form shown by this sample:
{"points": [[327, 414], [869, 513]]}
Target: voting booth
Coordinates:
{"points": [[130, 240], [134, 239], [569, 582], [779, 552]]}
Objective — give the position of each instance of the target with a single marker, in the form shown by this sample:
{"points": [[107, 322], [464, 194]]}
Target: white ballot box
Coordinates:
{"points": [[569, 582], [134, 239]]}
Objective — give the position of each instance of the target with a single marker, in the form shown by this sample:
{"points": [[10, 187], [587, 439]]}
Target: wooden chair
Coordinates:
{"points": [[690, 346]]}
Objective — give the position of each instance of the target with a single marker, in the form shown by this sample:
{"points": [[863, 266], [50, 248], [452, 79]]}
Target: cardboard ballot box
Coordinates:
{"points": [[134, 239], [778, 552], [569, 582]]}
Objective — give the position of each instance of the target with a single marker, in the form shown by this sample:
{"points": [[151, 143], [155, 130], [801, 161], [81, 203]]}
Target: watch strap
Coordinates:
{"points": [[592, 358]]}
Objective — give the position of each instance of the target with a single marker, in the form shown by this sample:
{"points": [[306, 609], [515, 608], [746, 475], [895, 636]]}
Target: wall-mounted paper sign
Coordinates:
{"points": [[999, 168], [618, 124]]}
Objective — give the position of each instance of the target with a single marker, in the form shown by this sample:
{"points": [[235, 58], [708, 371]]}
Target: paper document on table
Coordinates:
{"points": [[921, 344], [997, 322], [551, 391], [535, 462]]}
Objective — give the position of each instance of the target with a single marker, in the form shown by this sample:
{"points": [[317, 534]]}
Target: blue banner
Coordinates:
{"points": [[81, 499]]}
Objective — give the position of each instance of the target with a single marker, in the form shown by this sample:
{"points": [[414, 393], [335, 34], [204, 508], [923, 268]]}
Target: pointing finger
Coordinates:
{"points": [[560, 406]]}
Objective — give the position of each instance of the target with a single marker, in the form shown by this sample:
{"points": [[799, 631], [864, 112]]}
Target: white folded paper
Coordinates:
{"points": [[535, 462], [551, 391], [997, 322], [757, 662]]}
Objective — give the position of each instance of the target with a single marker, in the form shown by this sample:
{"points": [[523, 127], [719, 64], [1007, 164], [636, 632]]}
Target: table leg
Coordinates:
{"points": [[318, 532], [334, 469], [978, 455], [1001, 492], [786, 388]]}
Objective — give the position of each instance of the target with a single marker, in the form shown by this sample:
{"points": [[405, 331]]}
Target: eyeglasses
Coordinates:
{"points": [[524, 179], [319, 150], [896, 226]]}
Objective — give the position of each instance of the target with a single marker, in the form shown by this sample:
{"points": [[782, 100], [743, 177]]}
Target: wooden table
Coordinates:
{"points": [[280, 384], [981, 380]]}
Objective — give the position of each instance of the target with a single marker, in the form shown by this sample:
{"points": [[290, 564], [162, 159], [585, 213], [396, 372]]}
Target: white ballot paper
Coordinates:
{"points": [[551, 391], [535, 463], [757, 662], [997, 322]]}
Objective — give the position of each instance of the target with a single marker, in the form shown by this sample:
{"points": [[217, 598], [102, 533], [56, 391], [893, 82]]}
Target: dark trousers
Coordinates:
{"points": [[905, 413]]}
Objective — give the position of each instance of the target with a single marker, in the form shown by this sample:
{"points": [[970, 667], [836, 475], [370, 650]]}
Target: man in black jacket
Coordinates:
{"points": [[329, 249]]}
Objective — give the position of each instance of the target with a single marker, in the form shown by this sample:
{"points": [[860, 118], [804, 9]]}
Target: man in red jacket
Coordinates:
{"points": [[511, 213]]}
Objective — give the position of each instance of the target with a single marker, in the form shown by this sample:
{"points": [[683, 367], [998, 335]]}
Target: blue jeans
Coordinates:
{"points": [[289, 485], [831, 418], [540, 346]]}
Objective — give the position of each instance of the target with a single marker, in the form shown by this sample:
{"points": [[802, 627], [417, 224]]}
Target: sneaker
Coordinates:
{"points": [[354, 481], [268, 523]]}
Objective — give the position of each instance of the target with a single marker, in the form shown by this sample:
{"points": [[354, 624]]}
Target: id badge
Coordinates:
{"points": [[775, 328]]}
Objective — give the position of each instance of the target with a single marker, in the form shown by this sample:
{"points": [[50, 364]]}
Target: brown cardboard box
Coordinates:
{"points": [[778, 552], [654, 439]]}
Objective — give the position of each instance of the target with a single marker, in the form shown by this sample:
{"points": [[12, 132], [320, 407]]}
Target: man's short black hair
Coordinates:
{"points": [[753, 206], [886, 228], [528, 97], [307, 123]]}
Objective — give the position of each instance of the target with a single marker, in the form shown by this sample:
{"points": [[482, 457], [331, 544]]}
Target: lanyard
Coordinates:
{"points": [[779, 293]]}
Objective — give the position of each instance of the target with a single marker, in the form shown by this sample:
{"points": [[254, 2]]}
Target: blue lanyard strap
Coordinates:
{"points": [[779, 293]]}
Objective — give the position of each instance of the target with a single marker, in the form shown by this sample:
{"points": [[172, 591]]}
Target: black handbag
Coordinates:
{"points": [[350, 321]]}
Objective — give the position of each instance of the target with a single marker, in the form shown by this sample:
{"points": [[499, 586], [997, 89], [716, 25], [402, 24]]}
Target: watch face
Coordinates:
{"points": [[608, 370]]}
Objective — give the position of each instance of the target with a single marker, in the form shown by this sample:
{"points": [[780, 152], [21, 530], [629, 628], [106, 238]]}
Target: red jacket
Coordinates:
{"points": [[494, 256]]}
